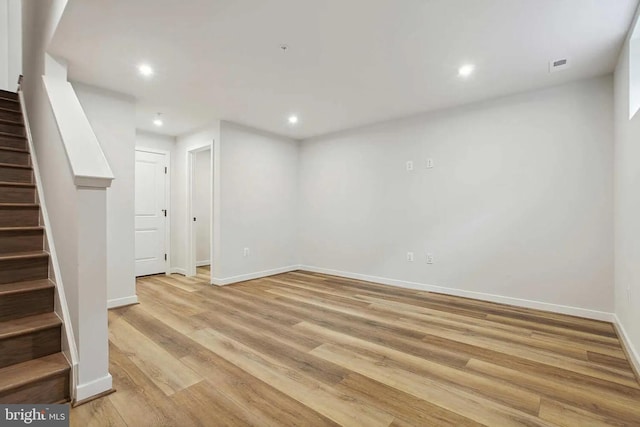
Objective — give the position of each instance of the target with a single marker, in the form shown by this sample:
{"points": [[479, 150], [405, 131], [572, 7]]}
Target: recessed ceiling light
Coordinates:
{"points": [[145, 70], [158, 120], [293, 120], [466, 70]]}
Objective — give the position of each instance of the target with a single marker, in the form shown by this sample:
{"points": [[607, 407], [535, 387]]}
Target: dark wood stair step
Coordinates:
{"points": [[9, 104], [9, 94], [21, 239], [24, 266], [29, 337], [17, 192], [15, 156], [42, 380], [27, 298], [12, 128], [10, 114], [19, 214], [16, 173], [8, 121], [27, 325], [12, 141]]}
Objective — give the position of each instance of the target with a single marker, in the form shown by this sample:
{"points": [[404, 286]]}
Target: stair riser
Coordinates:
{"points": [[21, 241], [17, 194], [23, 304], [9, 105], [49, 390], [17, 270], [15, 116], [8, 174], [17, 130], [7, 94], [19, 217], [14, 158], [29, 346], [9, 142]]}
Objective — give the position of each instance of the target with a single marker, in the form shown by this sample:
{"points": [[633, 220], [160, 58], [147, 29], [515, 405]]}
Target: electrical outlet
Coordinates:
{"points": [[409, 166], [429, 163], [246, 252], [410, 256], [429, 258]]}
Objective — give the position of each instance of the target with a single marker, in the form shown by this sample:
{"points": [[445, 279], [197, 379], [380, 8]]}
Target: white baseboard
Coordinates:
{"points": [[251, 276], [632, 352], [93, 388], [203, 263], [538, 305], [178, 271], [120, 302]]}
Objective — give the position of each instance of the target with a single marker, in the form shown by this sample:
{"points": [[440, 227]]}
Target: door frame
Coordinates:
{"points": [[191, 229], [167, 201]]}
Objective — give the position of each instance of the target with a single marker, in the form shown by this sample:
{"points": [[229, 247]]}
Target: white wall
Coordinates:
{"points": [[259, 184], [112, 117], [180, 221], [519, 203], [202, 206], [627, 209], [155, 141], [14, 66], [4, 44], [10, 43]]}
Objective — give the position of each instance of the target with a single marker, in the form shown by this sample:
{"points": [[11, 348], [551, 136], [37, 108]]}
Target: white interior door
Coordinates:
{"points": [[150, 213]]}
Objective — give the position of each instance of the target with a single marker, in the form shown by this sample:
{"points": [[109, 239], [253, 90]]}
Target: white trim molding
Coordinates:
{"points": [[177, 270], [87, 390], [250, 276], [121, 302], [632, 352], [203, 263], [537, 305]]}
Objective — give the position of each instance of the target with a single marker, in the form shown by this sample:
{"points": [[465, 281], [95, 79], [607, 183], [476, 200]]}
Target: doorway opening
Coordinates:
{"points": [[200, 163]]}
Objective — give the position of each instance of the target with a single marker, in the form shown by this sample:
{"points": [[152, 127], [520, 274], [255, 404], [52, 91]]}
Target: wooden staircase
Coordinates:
{"points": [[32, 367]]}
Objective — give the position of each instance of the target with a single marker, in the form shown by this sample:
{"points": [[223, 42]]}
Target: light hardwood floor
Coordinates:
{"points": [[308, 349]]}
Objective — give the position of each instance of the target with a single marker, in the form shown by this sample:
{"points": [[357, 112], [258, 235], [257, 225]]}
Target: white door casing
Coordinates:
{"points": [[151, 212]]}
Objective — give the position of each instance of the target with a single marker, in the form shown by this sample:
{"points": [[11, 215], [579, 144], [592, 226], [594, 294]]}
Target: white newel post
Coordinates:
{"points": [[92, 335]]}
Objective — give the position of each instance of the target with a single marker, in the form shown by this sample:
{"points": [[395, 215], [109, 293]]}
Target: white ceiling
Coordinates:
{"points": [[349, 62]]}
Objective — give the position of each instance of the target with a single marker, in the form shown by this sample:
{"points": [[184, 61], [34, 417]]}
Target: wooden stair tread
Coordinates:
{"points": [[23, 255], [4, 97], [30, 228], [24, 373], [26, 325], [11, 165], [12, 135], [16, 184], [8, 110], [14, 150], [11, 122], [4, 92], [20, 205], [26, 286]]}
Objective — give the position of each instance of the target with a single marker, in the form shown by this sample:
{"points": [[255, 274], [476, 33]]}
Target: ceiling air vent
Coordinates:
{"points": [[558, 65]]}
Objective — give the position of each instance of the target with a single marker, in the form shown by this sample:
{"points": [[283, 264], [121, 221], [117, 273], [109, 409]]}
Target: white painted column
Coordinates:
{"points": [[93, 336]]}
